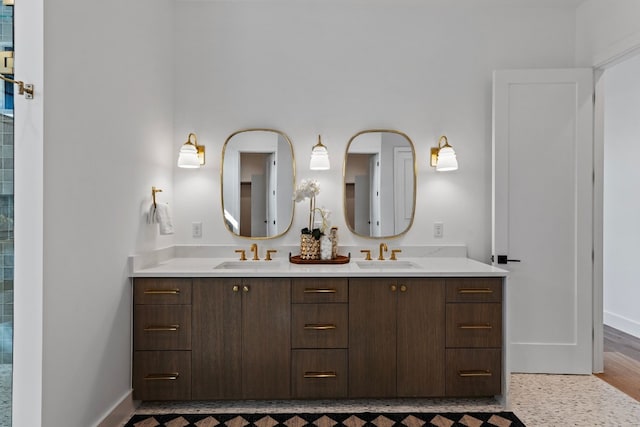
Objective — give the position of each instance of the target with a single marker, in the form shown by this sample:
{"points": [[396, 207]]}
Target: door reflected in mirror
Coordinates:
{"points": [[379, 183], [257, 180]]}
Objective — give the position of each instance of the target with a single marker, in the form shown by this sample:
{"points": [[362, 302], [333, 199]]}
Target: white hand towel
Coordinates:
{"points": [[151, 215], [163, 218]]}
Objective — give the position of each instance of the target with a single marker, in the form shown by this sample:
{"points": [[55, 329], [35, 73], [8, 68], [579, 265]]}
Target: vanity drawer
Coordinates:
{"points": [[319, 325], [162, 375], [162, 327], [319, 290], [474, 325], [319, 374], [474, 289], [473, 372], [151, 290]]}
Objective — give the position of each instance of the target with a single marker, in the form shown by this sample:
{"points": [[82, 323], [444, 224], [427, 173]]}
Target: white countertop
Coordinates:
{"points": [[196, 266]]}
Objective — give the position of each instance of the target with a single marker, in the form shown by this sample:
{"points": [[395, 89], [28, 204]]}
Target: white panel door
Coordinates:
{"points": [[543, 192], [403, 188]]}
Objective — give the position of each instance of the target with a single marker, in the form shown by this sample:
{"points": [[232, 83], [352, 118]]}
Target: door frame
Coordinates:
{"points": [[614, 57]]}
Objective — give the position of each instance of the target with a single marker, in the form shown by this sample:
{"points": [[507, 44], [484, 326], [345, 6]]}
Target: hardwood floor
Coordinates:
{"points": [[621, 361]]}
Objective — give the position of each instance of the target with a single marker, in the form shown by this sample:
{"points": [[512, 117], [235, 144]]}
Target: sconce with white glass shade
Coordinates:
{"points": [[319, 157], [443, 157], [191, 154]]}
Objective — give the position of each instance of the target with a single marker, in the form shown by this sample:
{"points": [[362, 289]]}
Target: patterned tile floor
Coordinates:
{"points": [[538, 400]]}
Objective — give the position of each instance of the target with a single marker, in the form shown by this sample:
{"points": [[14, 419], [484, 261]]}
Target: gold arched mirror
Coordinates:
{"points": [[257, 181], [379, 183]]}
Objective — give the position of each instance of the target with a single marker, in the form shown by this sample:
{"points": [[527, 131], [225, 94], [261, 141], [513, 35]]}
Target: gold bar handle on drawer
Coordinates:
{"points": [[161, 328], [319, 291], [475, 326], [328, 374], [171, 376], [320, 326], [162, 291], [475, 291], [477, 373]]}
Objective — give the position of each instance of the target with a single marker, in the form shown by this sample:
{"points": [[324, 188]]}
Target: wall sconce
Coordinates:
{"points": [[319, 157], [191, 154], [443, 157]]}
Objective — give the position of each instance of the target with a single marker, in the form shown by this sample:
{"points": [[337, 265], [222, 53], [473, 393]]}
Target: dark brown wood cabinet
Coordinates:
{"points": [[162, 339], [241, 338], [474, 336], [317, 338], [396, 337]]}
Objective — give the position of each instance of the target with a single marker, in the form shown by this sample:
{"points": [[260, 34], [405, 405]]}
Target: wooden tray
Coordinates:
{"points": [[340, 259]]}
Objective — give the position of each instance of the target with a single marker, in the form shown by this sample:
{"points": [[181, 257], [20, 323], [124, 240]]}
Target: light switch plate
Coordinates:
{"points": [[438, 229], [196, 229]]}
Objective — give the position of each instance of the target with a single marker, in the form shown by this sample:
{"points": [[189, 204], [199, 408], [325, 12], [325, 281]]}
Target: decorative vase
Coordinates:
{"points": [[325, 247], [333, 235], [309, 247]]}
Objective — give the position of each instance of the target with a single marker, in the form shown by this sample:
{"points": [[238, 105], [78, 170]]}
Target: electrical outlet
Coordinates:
{"points": [[438, 229], [196, 229]]}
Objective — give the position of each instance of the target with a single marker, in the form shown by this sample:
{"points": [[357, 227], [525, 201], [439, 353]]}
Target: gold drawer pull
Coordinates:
{"points": [[475, 291], [172, 376], [328, 374], [483, 326], [477, 373], [320, 291], [319, 326], [161, 328], [162, 291]]}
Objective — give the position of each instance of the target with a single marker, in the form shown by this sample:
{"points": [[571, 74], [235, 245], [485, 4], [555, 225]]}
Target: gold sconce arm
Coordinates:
{"points": [[23, 89]]}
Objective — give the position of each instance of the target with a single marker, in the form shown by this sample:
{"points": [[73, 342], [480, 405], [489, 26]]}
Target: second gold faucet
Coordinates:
{"points": [[254, 249]]}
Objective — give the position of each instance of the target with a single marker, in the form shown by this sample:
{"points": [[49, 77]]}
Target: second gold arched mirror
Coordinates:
{"points": [[257, 180], [379, 183]]}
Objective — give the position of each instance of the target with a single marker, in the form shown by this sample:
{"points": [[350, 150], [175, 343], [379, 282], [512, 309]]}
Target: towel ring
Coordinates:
{"points": [[155, 190]]}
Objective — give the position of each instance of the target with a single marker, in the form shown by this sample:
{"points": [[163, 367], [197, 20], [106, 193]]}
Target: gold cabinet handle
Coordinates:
{"points": [[475, 291], [393, 288], [319, 326], [162, 291], [319, 291], [403, 288], [171, 376], [235, 288], [475, 326], [245, 288], [476, 373], [161, 328], [327, 374]]}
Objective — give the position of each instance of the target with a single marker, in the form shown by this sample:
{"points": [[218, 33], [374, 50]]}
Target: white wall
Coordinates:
{"points": [[621, 204], [606, 30], [107, 138], [335, 68]]}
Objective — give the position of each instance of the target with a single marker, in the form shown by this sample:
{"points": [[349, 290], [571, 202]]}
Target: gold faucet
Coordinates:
{"points": [[393, 254], [383, 249], [269, 252], [254, 249], [368, 254], [243, 256]]}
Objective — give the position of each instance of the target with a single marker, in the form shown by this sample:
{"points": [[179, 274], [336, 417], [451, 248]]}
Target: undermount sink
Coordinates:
{"points": [[248, 265], [390, 265]]}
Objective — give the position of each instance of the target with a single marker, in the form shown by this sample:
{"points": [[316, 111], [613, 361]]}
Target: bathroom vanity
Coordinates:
{"points": [[215, 328]]}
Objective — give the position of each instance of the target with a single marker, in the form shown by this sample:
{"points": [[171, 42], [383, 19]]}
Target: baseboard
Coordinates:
{"points": [[120, 413], [622, 323]]}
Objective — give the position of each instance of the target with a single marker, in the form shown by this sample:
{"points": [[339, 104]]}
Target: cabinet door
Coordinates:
{"points": [[266, 338], [217, 339], [420, 366], [372, 337]]}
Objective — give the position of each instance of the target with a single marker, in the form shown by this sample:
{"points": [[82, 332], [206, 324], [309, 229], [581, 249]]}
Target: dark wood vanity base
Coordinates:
{"points": [[317, 338]]}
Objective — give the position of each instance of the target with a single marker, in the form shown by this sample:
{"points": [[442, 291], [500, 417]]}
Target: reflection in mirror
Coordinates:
{"points": [[380, 181], [257, 180]]}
